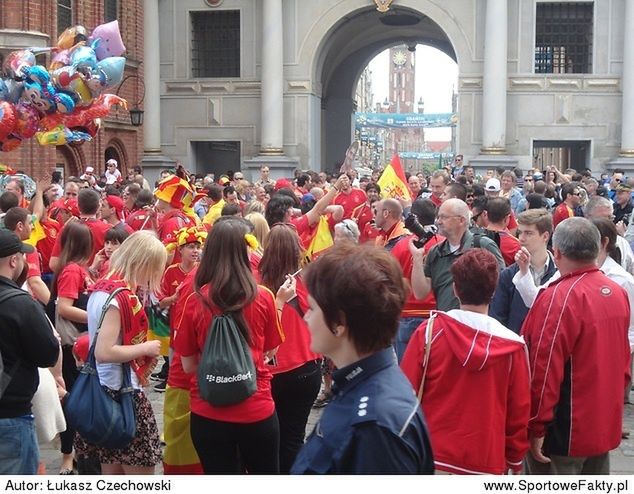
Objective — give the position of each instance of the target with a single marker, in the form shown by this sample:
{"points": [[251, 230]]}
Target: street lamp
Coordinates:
{"points": [[385, 105], [136, 114]]}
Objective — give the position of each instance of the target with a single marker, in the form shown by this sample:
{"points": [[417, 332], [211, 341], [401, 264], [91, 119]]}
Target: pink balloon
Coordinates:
{"points": [[111, 44]]}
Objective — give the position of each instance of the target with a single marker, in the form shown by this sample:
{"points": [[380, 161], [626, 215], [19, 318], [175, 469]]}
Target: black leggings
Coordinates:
{"points": [[294, 393], [227, 447], [70, 375]]}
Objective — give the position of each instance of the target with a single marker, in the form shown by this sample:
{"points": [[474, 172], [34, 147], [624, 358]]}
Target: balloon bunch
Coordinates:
{"points": [[64, 103]]}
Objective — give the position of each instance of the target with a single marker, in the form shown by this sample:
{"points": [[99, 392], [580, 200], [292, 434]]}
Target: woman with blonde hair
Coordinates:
{"points": [[138, 263], [260, 230]]}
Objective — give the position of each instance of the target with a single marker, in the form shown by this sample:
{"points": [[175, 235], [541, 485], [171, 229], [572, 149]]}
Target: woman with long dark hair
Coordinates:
{"points": [[245, 435], [70, 294], [296, 369]]}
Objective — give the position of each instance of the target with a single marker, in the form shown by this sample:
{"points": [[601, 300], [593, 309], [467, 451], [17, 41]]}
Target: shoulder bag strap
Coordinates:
{"points": [[91, 355], [429, 329]]}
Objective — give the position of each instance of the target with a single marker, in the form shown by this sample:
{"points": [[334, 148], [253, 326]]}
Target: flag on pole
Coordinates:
{"points": [[392, 181]]}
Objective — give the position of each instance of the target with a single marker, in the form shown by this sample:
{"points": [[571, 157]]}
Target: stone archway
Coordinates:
{"points": [[343, 43], [71, 159]]}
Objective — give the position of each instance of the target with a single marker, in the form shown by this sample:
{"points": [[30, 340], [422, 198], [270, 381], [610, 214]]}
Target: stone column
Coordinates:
{"points": [[151, 78], [494, 79], [627, 84], [272, 118]]}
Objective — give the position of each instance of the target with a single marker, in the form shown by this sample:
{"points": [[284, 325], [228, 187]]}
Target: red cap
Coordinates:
{"points": [[69, 205], [117, 203], [282, 183], [81, 347]]}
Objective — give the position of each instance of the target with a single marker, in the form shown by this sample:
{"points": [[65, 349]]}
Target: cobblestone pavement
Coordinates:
{"points": [[621, 459]]}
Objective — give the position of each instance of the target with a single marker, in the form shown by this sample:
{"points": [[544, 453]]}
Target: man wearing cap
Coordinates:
{"points": [[623, 204], [112, 213], [112, 173], [492, 187], [89, 176], [26, 343]]}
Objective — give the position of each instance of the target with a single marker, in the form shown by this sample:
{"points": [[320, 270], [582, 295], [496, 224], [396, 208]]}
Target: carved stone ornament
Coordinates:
{"points": [[383, 5]]}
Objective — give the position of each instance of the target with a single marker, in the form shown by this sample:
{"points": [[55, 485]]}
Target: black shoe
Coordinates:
{"points": [[160, 387]]}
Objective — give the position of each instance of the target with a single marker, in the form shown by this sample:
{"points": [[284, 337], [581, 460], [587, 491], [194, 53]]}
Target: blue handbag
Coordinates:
{"points": [[99, 418]]}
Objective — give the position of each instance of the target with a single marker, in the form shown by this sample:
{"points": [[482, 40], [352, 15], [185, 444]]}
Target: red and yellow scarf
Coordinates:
{"points": [[134, 323]]}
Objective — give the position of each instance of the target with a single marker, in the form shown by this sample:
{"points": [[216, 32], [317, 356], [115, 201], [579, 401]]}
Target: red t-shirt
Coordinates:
{"points": [[301, 224], [170, 223], [33, 260], [295, 351], [172, 279], [414, 307], [72, 281], [47, 244], [349, 201], [98, 230], [562, 212], [177, 378], [266, 334], [139, 218], [509, 246]]}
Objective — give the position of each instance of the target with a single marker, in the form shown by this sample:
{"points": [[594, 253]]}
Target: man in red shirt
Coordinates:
{"points": [[112, 213], [349, 197], [498, 214], [364, 215], [439, 180], [571, 199], [18, 220], [576, 334], [89, 203]]}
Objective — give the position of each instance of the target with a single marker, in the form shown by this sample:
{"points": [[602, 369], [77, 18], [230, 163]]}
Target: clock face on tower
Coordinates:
{"points": [[399, 58]]}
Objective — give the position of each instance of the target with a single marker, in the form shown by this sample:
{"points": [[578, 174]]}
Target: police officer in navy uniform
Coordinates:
{"points": [[373, 424]]}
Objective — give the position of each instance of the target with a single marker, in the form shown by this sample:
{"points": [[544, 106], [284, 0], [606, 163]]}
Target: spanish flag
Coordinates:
{"points": [[392, 181], [320, 241]]}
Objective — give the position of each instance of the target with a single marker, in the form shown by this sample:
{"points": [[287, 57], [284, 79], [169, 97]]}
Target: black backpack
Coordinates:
{"points": [[226, 372], [482, 232], [6, 376]]}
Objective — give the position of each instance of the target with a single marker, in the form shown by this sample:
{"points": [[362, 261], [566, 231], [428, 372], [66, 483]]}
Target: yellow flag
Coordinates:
{"points": [[37, 234]]}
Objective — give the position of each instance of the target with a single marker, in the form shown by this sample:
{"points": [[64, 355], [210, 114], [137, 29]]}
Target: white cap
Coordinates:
{"points": [[112, 161], [89, 169], [492, 185]]}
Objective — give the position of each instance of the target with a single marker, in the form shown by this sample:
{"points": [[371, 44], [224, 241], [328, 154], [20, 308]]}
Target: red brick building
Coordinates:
{"points": [[25, 23]]}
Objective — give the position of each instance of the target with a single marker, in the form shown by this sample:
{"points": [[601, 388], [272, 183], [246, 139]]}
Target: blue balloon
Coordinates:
{"points": [[111, 71]]}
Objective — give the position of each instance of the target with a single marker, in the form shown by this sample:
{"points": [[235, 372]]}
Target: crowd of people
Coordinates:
{"points": [[481, 325]]}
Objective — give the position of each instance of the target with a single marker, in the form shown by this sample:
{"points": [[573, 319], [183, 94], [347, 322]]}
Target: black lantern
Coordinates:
{"points": [[136, 116]]}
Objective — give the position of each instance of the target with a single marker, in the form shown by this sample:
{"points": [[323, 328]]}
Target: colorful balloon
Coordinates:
{"points": [[10, 90], [72, 82], [60, 136], [111, 71], [27, 121], [9, 144], [83, 58], [111, 44], [71, 36], [7, 119], [17, 61]]}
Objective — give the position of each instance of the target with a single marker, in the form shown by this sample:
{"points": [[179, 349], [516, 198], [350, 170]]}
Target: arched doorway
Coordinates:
{"points": [[116, 150], [68, 160], [348, 46]]}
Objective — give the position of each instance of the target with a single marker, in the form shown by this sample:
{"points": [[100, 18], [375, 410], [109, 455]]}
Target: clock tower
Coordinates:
{"points": [[402, 80]]}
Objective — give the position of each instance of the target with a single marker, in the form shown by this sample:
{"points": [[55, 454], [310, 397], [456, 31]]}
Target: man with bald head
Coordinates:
{"points": [[388, 218], [431, 271]]}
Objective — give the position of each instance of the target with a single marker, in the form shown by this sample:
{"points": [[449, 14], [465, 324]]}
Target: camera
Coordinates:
{"points": [[424, 233]]}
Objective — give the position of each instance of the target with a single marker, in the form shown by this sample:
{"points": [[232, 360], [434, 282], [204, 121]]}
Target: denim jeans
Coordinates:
{"points": [[19, 454], [406, 328]]}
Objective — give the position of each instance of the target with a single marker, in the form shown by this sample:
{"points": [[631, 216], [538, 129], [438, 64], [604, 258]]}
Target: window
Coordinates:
{"points": [[216, 43], [563, 38], [110, 10], [64, 15]]}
